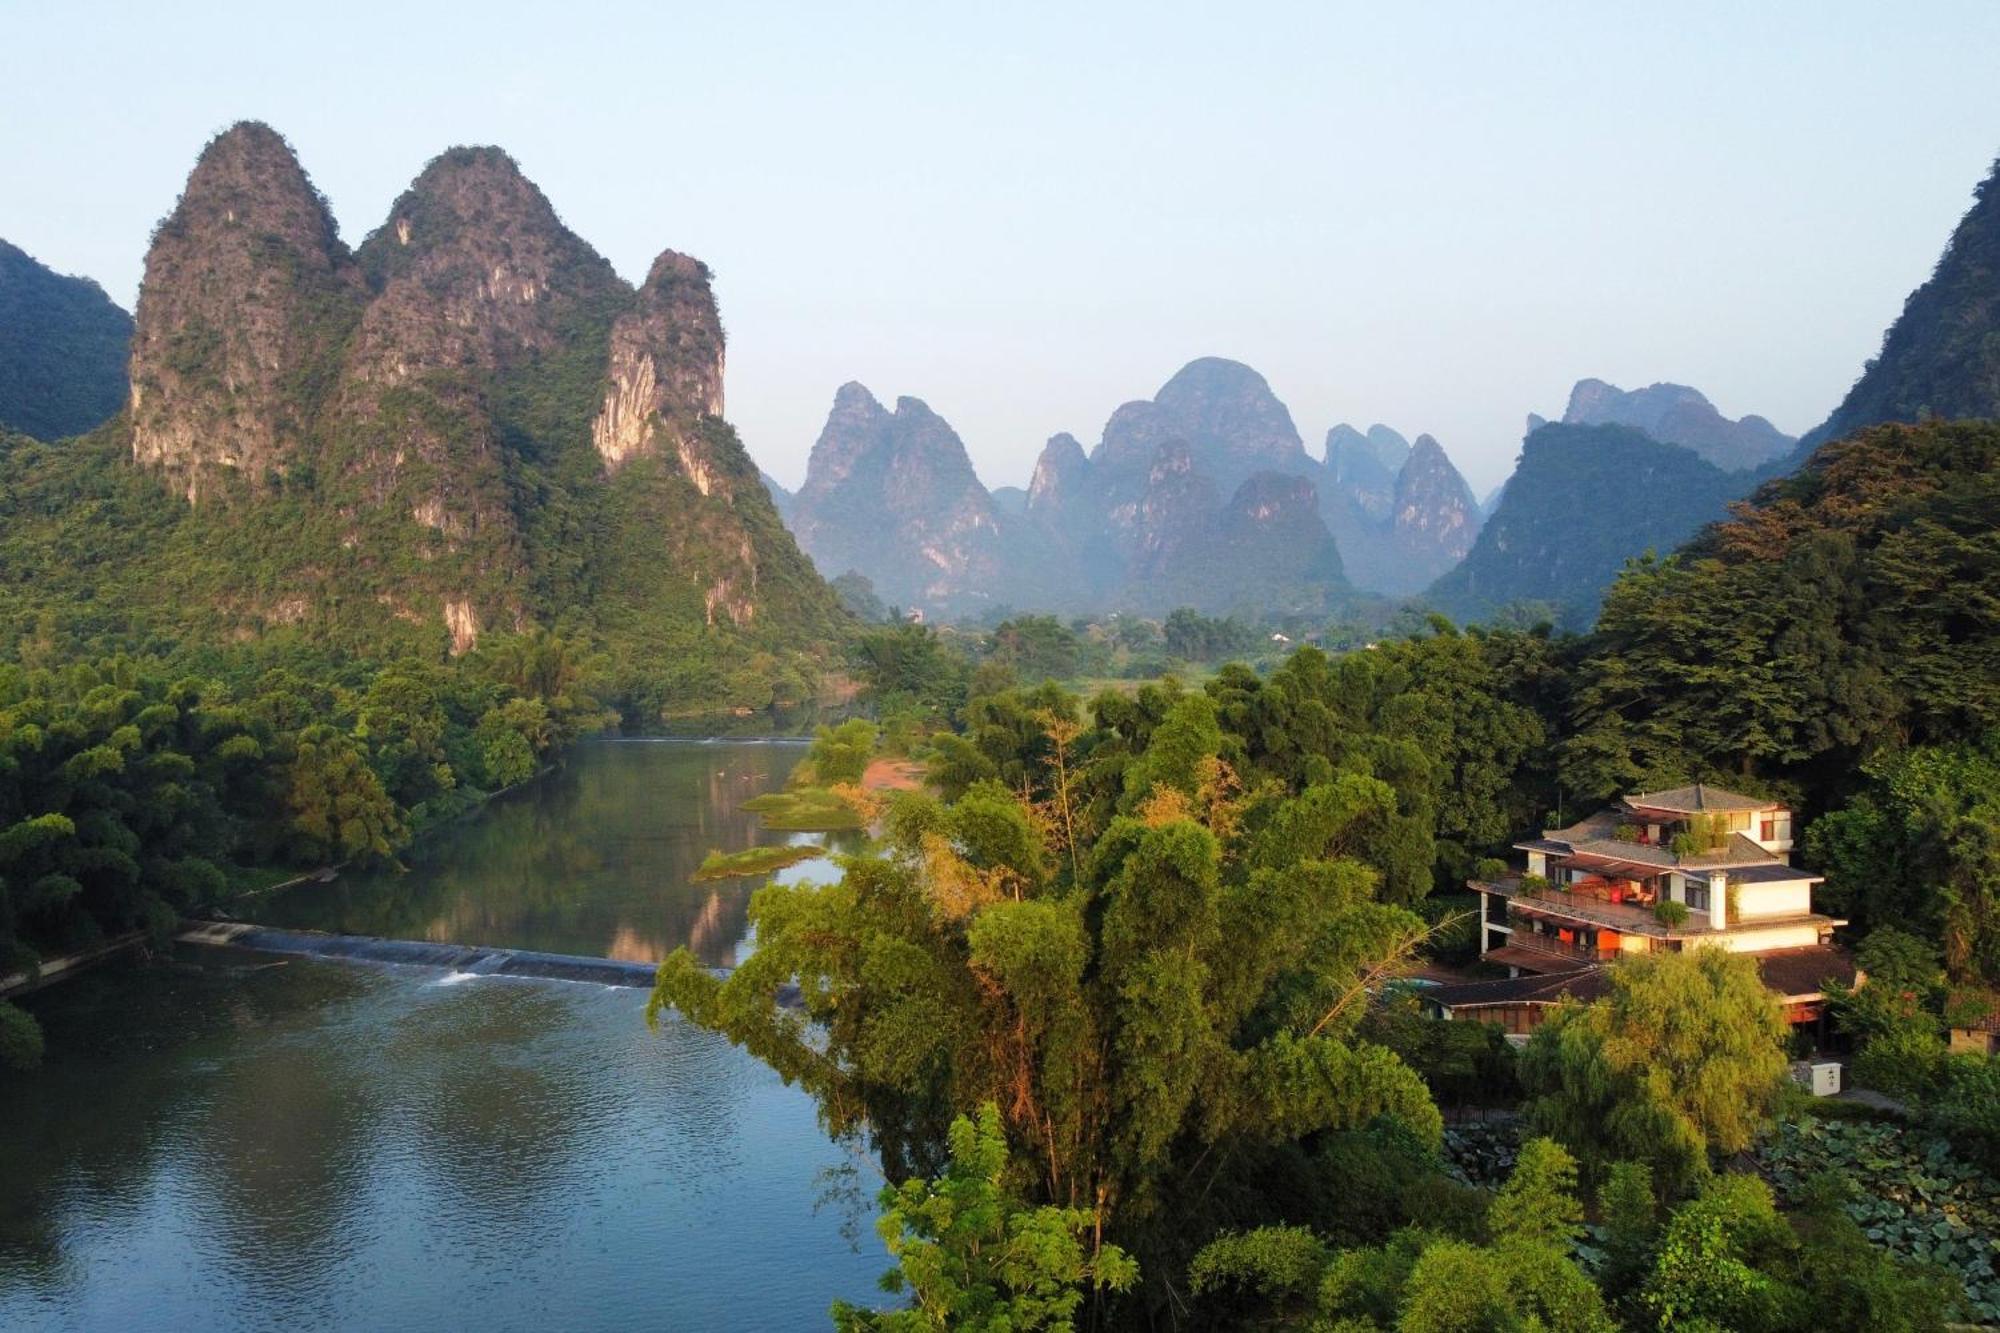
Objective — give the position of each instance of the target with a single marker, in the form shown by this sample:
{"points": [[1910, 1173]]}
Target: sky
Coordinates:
{"points": [[1434, 215]]}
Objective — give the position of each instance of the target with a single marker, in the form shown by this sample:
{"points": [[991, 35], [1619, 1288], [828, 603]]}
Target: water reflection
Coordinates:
{"points": [[597, 859], [233, 1142]]}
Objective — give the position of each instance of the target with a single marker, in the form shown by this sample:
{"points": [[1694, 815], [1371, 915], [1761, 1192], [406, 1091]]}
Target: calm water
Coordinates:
{"points": [[232, 1142]]}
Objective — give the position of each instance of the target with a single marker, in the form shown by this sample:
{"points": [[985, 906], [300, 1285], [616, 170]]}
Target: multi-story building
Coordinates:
{"points": [[1691, 867]]}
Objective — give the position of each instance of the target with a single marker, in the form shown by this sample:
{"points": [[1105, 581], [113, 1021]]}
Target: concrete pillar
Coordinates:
{"points": [[1718, 899]]}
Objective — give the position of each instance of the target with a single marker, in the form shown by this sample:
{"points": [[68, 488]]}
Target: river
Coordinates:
{"points": [[232, 1141]]}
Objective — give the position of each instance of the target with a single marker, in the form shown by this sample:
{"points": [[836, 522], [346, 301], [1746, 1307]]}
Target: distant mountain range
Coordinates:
{"points": [[470, 423], [63, 344], [1203, 495], [1582, 502]]}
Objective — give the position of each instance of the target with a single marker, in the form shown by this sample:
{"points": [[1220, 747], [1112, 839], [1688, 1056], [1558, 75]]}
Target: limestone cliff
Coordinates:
{"points": [[665, 373], [247, 298], [469, 424]]}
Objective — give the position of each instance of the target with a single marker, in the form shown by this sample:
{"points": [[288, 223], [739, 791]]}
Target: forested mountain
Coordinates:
{"points": [[1941, 358], [63, 345], [1572, 513], [1582, 501], [469, 424], [1676, 414]]}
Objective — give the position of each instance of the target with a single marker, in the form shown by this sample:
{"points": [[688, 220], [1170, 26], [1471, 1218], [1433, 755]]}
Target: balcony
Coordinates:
{"points": [[1587, 909], [1554, 947]]}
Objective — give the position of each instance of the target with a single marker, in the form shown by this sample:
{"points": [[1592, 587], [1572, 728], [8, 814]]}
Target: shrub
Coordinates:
{"points": [[1670, 913]]}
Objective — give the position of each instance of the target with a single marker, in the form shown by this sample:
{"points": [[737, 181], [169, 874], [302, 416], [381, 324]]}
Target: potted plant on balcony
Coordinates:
{"points": [[1534, 886], [1670, 913]]}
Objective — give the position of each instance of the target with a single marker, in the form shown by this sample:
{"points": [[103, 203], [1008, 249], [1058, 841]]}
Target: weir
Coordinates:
{"points": [[475, 959], [481, 960]]}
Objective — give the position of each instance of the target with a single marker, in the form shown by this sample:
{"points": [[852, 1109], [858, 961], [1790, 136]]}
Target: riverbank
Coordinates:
{"points": [[56, 969]]}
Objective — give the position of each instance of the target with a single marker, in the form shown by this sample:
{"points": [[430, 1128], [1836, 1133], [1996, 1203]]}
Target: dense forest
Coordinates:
{"points": [[1118, 984], [62, 350], [132, 793]]}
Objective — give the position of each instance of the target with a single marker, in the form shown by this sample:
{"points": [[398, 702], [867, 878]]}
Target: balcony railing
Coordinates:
{"points": [[1550, 944]]}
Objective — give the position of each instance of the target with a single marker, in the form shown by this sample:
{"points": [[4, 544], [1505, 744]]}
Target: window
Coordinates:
{"points": [[1776, 828], [1695, 892]]}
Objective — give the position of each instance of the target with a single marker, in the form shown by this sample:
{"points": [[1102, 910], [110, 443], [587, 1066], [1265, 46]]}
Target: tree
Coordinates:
{"points": [[1919, 847], [1538, 1203], [1707, 1273], [1420, 1281], [1157, 1018], [1895, 1013], [1035, 647], [1684, 1057], [339, 810], [974, 1258]]}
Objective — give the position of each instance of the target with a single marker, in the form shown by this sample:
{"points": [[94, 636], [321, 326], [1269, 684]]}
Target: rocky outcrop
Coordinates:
{"points": [[1676, 414], [1226, 414], [248, 296], [1401, 514], [1265, 550], [1435, 517], [478, 423], [1139, 521], [665, 372], [63, 350], [1361, 471], [893, 496]]}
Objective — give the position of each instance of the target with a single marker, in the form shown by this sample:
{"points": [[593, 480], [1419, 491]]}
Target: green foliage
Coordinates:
{"points": [[1286, 1276], [1538, 1203], [1919, 846], [1847, 612], [20, 1039], [1966, 1108], [841, 754], [1035, 648], [1671, 913], [903, 665], [973, 1257], [1705, 1273], [1683, 1058], [1194, 637], [130, 795], [1161, 990], [753, 861], [1907, 1192], [1581, 502], [62, 350]]}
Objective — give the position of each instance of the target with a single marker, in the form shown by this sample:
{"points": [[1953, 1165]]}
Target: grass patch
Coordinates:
{"points": [[754, 861], [804, 810]]}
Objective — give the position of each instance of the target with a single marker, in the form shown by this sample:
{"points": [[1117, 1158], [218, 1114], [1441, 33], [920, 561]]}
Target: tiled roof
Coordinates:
{"points": [[1971, 1011], [1789, 972], [1774, 874], [1700, 799], [1592, 837], [1807, 970], [1586, 984], [1740, 850]]}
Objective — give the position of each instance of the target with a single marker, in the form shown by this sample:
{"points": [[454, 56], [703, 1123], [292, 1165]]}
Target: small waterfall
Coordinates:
{"points": [[463, 959]]}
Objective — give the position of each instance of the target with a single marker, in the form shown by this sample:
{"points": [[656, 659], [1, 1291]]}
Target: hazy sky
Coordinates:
{"points": [[1433, 215]]}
